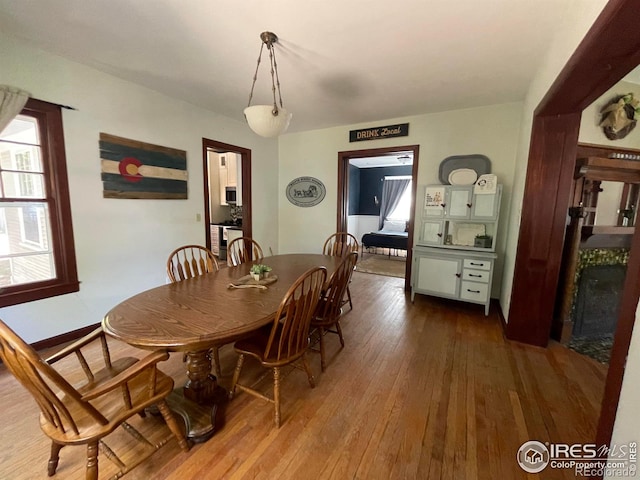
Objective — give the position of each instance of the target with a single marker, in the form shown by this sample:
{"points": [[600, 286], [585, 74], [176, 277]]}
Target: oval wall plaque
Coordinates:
{"points": [[306, 191]]}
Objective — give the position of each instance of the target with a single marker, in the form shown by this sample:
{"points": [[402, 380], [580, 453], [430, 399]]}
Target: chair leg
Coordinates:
{"points": [[323, 364], [236, 375], [53, 460], [339, 330], [92, 461], [216, 361], [349, 297], [173, 425], [276, 394], [305, 364]]}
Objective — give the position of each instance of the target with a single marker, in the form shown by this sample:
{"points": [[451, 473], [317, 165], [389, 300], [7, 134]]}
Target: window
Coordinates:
{"points": [[37, 256], [403, 209]]}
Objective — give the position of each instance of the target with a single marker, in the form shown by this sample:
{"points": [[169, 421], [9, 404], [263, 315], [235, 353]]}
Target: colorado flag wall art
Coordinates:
{"points": [[132, 169]]}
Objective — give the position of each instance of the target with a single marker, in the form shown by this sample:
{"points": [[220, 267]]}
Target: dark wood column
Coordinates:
{"points": [[544, 212]]}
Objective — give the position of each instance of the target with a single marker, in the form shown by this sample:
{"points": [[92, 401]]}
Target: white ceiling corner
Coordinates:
{"points": [[340, 63]]}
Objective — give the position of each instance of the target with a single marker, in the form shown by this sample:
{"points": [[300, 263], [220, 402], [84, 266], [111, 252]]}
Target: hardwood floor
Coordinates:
{"points": [[425, 390]]}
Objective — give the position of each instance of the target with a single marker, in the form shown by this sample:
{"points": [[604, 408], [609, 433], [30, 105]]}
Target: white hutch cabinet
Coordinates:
{"points": [[454, 254]]}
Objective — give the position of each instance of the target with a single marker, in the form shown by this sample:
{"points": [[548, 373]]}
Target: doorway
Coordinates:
{"points": [[346, 161], [596, 249], [609, 51], [211, 150]]}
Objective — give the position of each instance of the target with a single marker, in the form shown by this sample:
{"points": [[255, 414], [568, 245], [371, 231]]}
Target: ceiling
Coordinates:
{"points": [[340, 62], [392, 160]]}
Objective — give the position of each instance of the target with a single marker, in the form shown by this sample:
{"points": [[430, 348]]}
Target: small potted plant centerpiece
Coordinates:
{"points": [[259, 271]]}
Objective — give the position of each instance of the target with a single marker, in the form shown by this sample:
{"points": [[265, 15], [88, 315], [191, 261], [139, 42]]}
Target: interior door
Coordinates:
{"points": [[343, 192], [244, 184]]}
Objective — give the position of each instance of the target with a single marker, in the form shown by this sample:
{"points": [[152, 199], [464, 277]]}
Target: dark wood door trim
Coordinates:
{"points": [[610, 49], [606, 54], [245, 154], [343, 191], [621, 342], [544, 210]]}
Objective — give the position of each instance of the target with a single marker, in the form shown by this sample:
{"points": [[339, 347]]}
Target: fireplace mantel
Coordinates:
{"points": [[608, 169]]}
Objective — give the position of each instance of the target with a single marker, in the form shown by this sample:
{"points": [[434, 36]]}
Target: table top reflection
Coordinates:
{"points": [[200, 312]]}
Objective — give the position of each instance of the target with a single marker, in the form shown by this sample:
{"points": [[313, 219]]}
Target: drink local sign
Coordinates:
{"points": [[377, 133]]}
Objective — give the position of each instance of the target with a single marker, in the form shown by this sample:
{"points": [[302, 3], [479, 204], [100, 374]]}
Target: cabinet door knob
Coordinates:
{"points": [[443, 205], [439, 234], [458, 275], [469, 205]]}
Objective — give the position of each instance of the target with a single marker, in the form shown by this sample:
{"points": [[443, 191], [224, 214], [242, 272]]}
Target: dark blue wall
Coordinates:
{"points": [[368, 184], [354, 190]]}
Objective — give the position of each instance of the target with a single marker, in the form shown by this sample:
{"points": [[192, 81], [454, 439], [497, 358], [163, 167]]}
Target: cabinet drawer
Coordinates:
{"points": [[475, 275], [476, 292], [479, 264]]}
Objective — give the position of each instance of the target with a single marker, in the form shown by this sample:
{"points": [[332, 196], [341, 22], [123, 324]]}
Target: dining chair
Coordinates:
{"points": [[329, 310], [339, 245], [286, 340], [242, 250], [105, 399], [190, 261]]}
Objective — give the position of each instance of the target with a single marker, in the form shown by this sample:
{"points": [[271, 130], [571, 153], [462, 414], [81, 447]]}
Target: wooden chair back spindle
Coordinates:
{"points": [[340, 244], [329, 308], [189, 261], [289, 336], [243, 250]]}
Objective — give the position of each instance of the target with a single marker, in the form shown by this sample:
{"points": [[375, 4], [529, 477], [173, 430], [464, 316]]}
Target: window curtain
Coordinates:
{"points": [[392, 190], [12, 101]]}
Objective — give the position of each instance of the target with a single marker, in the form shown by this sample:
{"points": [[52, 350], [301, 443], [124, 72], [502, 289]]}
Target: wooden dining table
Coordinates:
{"points": [[196, 314]]}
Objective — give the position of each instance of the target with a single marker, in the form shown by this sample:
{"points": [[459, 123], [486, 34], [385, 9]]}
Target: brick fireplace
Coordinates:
{"points": [[599, 282]]}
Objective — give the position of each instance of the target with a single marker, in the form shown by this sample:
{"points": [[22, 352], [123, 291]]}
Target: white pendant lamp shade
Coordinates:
{"points": [[268, 120], [263, 122]]}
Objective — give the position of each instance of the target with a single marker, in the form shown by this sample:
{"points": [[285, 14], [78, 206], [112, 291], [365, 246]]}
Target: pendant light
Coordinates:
{"points": [[268, 120]]}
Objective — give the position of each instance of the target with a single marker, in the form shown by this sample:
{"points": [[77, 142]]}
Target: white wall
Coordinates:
{"points": [[122, 245], [608, 204], [358, 225], [590, 132], [492, 131], [577, 17]]}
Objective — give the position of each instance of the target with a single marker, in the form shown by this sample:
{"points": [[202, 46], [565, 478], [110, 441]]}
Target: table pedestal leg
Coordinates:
{"points": [[202, 406], [202, 385]]}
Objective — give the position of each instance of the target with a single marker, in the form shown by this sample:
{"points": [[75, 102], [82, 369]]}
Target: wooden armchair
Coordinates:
{"points": [[339, 245], [329, 309], [189, 261], [86, 413], [287, 339], [242, 250]]}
